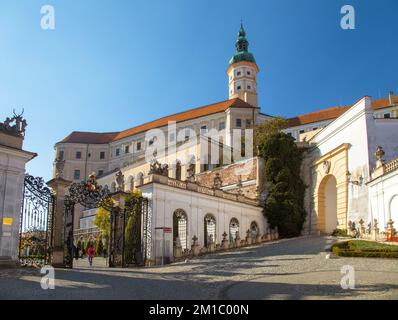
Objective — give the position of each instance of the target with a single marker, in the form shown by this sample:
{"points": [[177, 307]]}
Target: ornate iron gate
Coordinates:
{"points": [[88, 194], [36, 223], [117, 237], [129, 234]]}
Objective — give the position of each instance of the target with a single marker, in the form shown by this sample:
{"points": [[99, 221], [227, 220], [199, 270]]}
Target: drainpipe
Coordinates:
{"points": [[85, 166]]}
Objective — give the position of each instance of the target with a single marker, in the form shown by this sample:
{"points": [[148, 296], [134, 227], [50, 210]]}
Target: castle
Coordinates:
{"points": [[205, 185]]}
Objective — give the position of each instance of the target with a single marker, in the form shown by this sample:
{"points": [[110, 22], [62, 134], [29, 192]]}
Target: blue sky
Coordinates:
{"points": [[111, 65]]}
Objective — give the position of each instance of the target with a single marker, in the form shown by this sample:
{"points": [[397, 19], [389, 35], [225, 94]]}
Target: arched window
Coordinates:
{"points": [[233, 229], [178, 170], [254, 229], [180, 228], [210, 229]]}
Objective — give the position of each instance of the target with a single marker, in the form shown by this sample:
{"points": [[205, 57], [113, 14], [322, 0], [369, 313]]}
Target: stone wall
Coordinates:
{"points": [[246, 170]]}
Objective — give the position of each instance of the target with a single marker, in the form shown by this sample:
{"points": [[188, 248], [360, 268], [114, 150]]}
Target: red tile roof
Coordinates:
{"points": [[91, 137], [335, 112]]}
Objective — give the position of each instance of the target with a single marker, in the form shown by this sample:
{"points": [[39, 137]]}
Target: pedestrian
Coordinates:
{"points": [[90, 253]]}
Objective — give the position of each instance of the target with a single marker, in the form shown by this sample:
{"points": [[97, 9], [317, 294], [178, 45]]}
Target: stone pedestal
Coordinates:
{"points": [[224, 242], [211, 247], [59, 186], [248, 238], [12, 175], [195, 249]]}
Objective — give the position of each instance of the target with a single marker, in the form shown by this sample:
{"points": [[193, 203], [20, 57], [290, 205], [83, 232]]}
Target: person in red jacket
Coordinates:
{"points": [[90, 253]]}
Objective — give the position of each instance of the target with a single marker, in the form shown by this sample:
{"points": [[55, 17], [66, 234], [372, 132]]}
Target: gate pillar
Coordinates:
{"points": [[59, 186]]}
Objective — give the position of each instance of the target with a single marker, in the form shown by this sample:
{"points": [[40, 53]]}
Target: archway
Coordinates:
{"points": [[209, 229], [254, 230], [180, 228], [327, 202], [394, 211]]}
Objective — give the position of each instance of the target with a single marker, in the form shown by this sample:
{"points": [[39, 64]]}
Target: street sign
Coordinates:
{"points": [[167, 230]]}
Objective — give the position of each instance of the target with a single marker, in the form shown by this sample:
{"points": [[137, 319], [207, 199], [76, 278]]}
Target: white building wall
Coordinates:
{"points": [[165, 200], [383, 196]]}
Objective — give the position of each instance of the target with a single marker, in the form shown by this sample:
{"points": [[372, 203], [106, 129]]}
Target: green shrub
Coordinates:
{"points": [[99, 248], [340, 233], [366, 249]]}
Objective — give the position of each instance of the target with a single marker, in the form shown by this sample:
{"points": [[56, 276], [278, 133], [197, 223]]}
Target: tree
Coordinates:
{"points": [[99, 248], [284, 205], [133, 227], [266, 129], [103, 222]]}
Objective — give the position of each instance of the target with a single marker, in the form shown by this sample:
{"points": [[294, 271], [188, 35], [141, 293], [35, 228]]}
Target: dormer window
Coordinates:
{"points": [[238, 123]]}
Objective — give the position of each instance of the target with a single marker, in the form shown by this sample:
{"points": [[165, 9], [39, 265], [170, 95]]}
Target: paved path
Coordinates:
{"points": [[287, 269]]}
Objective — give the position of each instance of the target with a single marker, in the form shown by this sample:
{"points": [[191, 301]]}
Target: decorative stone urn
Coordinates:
{"points": [[224, 242], [195, 249], [390, 230], [375, 230], [237, 239]]}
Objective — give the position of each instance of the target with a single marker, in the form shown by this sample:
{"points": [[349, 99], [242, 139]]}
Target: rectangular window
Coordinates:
{"points": [[138, 146], [238, 87], [315, 128], [102, 155], [302, 131], [78, 155], [248, 73], [100, 172], [238, 73], [117, 152], [387, 116], [248, 123], [203, 129], [76, 175], [126, 149], [221, 126], [238, 123], [61, 155]]}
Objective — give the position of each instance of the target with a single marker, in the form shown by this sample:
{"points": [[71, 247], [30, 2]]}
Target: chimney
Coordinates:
{"points": [[391, 97]]}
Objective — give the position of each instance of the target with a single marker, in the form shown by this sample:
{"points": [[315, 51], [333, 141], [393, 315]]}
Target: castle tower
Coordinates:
{"points": [[242, 72]]}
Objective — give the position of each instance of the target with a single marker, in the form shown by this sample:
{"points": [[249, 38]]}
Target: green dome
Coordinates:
{"points": [[242, 56], [242, 46]]}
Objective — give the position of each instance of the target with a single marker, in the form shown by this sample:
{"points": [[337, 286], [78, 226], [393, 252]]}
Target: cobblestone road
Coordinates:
{"points": [[288, 269]]}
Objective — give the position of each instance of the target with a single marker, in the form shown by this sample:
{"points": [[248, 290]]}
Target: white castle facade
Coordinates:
{"points": [[211, 185]]}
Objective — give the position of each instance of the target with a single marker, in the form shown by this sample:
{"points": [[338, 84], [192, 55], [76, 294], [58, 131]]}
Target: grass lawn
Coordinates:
{"points": [[360, 248]]}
